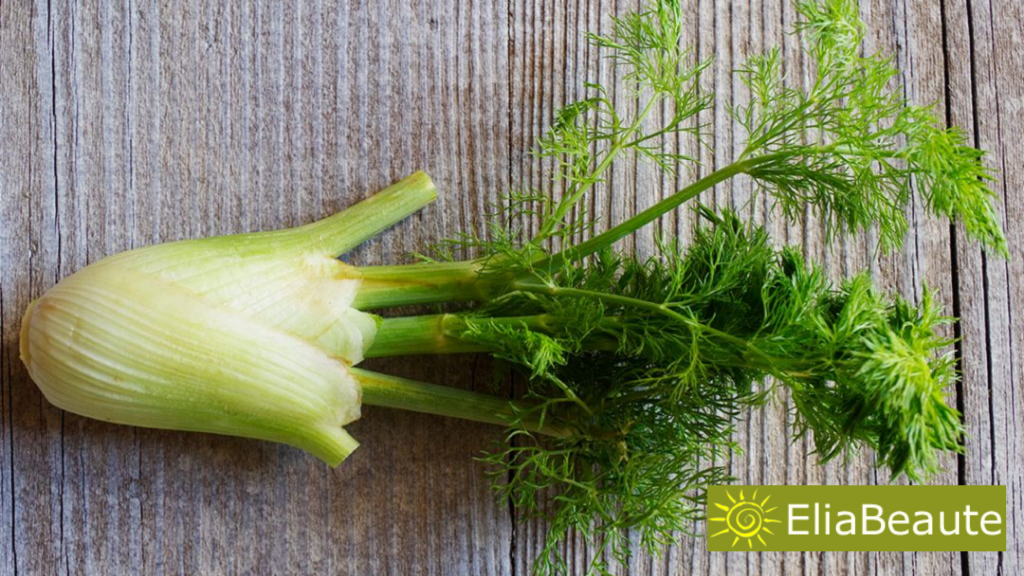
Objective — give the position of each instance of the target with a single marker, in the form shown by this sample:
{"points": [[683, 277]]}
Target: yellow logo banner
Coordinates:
{"points": [[856, 518]]}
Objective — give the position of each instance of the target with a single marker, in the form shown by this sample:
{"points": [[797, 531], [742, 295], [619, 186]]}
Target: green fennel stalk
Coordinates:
{"points": [[649, 361], [635, 369]]}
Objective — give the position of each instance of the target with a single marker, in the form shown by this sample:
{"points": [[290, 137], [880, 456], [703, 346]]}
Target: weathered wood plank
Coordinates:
{"points": [[124, 124], [94, 207], [540, 36], [928, 261], [962, 74], [910, 30], [154, 122], [990, 105], [29, 261]]}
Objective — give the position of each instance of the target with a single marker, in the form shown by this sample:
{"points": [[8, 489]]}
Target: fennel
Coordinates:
{"points": [[636, 369]]}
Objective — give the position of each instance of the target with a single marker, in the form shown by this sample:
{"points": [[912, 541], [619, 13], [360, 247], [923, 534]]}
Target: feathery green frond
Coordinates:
{"points": [[645, 365], [649, 363], [851, 146]]}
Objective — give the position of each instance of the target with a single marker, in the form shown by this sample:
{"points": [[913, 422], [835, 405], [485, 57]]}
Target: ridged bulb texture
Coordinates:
{"points": [[250, 335]]}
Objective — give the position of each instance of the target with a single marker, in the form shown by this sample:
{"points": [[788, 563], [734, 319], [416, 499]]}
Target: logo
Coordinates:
{"points": [[856, 518], [745, 519]]}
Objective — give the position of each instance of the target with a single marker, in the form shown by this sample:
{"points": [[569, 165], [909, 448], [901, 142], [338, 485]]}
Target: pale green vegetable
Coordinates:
{"points": [[636, 370], [250, 335]]}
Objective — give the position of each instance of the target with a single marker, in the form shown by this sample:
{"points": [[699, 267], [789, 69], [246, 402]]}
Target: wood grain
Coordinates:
{"points": [[128, 123]]}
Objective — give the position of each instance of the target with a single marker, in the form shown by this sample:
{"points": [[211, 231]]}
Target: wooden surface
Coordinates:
{"points": [[128, 123]]}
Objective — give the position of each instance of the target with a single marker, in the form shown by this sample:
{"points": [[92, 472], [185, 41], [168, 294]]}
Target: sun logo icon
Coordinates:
{"points": [[745, 518]]}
